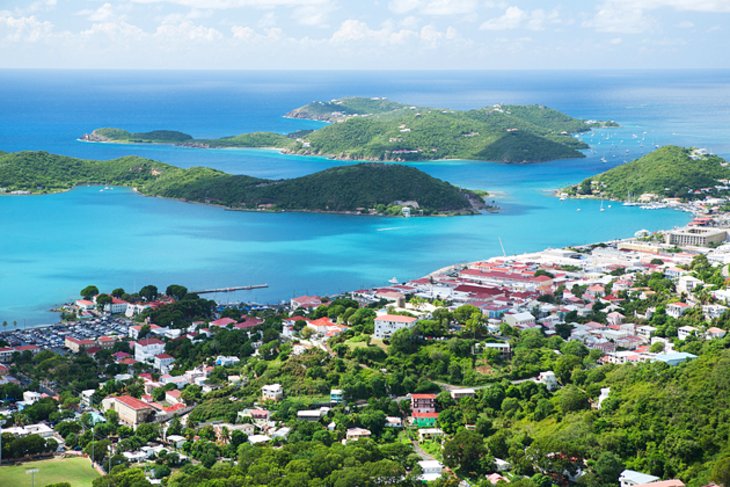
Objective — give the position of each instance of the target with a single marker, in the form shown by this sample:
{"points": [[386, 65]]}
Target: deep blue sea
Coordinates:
{"points": [[52, 246]]}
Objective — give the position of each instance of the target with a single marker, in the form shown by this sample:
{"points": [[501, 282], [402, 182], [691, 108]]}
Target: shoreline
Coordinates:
{"points": [[287, 152], [435, 273]]}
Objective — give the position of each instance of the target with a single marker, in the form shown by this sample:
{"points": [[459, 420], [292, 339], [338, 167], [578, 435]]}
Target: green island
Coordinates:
{"points": [[670, 171], [376, 129], [362, 188]]}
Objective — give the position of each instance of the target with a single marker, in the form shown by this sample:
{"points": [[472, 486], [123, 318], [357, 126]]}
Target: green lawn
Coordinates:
{"points": [[76, 471]]}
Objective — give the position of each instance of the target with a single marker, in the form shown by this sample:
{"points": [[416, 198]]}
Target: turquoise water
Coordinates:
{"points": [[54, 245]]}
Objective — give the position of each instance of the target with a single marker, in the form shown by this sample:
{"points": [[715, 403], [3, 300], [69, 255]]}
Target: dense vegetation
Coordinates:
{"points": [[334, 110], [350, 188], [378, 129], [670, 171], [155, 136]]}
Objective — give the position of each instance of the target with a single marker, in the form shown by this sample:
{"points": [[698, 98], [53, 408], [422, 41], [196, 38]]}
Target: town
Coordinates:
{"points": [[428, 375]]}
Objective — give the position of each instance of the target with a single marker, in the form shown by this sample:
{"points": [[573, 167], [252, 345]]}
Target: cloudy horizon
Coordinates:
{"points": [[366, 34]]}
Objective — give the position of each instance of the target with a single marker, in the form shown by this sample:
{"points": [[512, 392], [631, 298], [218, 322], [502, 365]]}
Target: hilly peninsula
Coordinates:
{"points": [[669, 171], [376, 129], [363, 188]]}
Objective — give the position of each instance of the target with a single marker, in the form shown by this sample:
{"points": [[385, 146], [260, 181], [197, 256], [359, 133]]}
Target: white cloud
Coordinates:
{"points": [[102, 14], [433, 7], [188, 31], [23, 29], [514, 17], [630, 16], [511, 19], [314, 15], [228, 4]]}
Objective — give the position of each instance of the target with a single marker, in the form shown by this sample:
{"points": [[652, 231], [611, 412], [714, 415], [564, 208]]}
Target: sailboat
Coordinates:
{"points": [[393, 280], [602, 208]]}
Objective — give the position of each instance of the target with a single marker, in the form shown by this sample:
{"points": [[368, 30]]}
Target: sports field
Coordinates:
{"points": [[76, 471]]}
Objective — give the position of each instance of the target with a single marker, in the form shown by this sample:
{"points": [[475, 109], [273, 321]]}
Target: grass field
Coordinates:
{"points": [[76, 471]]}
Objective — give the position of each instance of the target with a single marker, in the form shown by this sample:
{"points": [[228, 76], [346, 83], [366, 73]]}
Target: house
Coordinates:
{"points": [[387, 324], [632, 478], [146, 349], [424, 420], [224, 361], [460, 393], [520, 320], [135, 330], [174, 397], [615, 318], [40, 429], [223, 322], [106, 342], [131, 410], [77, 344], [312, 414], [549, 379], [423, 403], [85, 305], [431, 470], [684, 332], [305, 302], [336, 396], [176, 441], [272, 392], [675, 310], [646, 331], [687, 284], [674, 358], [429, 433], [714, 332], [163, 362], [664, 483], [354, 434], [117, 306], [504, 348], [393, 422]]}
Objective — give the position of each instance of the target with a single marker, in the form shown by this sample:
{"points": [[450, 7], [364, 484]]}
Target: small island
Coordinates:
{"points": [[376, 129], [371, 189], [667, 172]]}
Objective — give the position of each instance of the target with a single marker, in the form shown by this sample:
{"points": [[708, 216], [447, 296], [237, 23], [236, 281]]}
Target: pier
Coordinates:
{"points": [[231, 289]]}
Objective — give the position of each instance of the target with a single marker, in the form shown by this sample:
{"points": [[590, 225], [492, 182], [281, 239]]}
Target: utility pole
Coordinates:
{"points": [[32, 472], [2, 422]]}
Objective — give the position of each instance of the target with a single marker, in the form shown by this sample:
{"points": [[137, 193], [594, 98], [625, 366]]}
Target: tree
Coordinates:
{"points": [[607, 468], [465, 451], [103, 300], [118, 292], [176, 291], [89, 292], [149, 292], [721, 472], [403, 341]]}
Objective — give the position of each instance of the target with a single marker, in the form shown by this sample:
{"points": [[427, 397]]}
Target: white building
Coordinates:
{"points": [[683, 332], [146, 349], [632, 478], [520, 320], [272, 392], [549, 379], [432, 470], [386, 325]]}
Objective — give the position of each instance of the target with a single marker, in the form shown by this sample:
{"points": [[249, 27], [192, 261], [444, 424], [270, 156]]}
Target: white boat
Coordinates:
{"points": [[602, 208], [577, 209], [393, 280], [603, 159]]}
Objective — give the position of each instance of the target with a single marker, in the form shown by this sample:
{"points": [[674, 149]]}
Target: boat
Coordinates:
{"points": [[577, 209], [393, 280], [602, 208], [603, 159]]}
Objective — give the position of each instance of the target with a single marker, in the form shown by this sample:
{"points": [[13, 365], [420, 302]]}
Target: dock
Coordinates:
{"points": [[231, 289]]}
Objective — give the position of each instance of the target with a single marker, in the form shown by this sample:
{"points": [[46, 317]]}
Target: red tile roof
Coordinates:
{"points": [[133, 403]]}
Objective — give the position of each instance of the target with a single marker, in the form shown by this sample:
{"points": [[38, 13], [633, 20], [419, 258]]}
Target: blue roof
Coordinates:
{"points": [[674, 358]]}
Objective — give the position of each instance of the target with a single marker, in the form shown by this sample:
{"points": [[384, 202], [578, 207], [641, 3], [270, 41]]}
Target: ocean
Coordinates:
{"points": [[52, 246]]}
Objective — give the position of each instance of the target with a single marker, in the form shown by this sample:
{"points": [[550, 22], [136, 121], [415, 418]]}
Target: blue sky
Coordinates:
{"points": [[369, 34]]}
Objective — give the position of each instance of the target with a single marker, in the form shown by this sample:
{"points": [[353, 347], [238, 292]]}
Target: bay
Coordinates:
{"points": [[54, 245]]}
